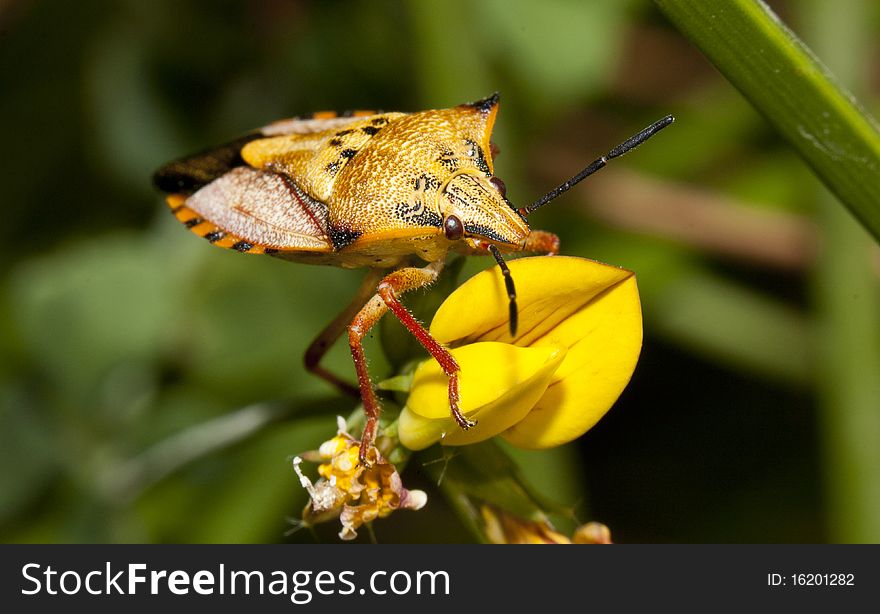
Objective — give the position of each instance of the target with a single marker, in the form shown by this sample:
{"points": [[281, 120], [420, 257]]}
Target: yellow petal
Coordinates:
{"points": [[604, 339], [588, 307], [549, 290], [499, 384], [417, 432]]}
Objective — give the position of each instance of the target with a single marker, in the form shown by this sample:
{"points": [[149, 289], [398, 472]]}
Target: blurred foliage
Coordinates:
{"points": [[794, 91], [123, 339]]}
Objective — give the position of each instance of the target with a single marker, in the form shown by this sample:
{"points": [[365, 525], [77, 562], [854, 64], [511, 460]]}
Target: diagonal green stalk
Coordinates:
{"points": [[847, 299], [782, 79]]}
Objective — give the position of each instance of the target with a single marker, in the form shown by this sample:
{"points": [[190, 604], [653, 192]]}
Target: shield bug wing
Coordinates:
{"points": [[186, 175], [222, 195], [314, 152], [316, 122], [192, 172], [257, 211]]}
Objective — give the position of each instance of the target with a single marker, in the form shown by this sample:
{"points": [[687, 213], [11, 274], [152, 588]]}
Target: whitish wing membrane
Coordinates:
{"points": [[263, 208]]}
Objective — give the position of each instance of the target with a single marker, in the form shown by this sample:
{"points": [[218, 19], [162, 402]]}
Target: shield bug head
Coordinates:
{"points": [[480, 201], [471, 200], [481, 210]]}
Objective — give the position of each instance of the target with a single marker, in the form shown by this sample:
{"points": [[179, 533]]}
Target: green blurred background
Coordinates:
{"points": [[126, 344]]}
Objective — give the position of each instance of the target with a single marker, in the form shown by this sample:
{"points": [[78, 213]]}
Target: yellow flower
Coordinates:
{"points": [[502, 527], [355, 493], [579, 337]]}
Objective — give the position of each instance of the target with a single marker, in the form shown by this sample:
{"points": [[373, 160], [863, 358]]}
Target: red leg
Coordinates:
{"points": [[357, 330], [327, 337], [389, 294], [387, 297]]}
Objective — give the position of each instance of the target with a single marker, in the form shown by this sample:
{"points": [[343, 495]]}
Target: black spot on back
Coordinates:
{"points": [[342, 237], [379, 121], [335, 142], [192, 222], [348, 153], [243, 246], [448, 160], [426, 182], [479, 157], [417, 214], [215, 236], [344, 132], [371, 130]]}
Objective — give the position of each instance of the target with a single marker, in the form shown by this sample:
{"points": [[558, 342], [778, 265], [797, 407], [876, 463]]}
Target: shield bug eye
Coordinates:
{"points": [[453, 228], [499, 185]]}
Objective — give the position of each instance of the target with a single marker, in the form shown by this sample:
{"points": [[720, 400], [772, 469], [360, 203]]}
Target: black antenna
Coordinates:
{"points": [[631, 143], [511, 289]]}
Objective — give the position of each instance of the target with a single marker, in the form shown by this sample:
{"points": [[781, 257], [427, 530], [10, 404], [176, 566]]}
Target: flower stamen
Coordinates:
{"points": [[357, 493]]}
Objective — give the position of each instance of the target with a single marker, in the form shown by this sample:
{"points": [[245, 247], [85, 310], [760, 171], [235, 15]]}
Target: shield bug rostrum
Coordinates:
{"points": [[392, 192]]}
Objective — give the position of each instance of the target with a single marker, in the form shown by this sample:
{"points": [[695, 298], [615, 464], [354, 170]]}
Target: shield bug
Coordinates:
{"points": [[392, 192]]}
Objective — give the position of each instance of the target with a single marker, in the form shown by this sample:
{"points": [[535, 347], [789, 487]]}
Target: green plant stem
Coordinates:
{"points": [[783, 80], [848, 313]]}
